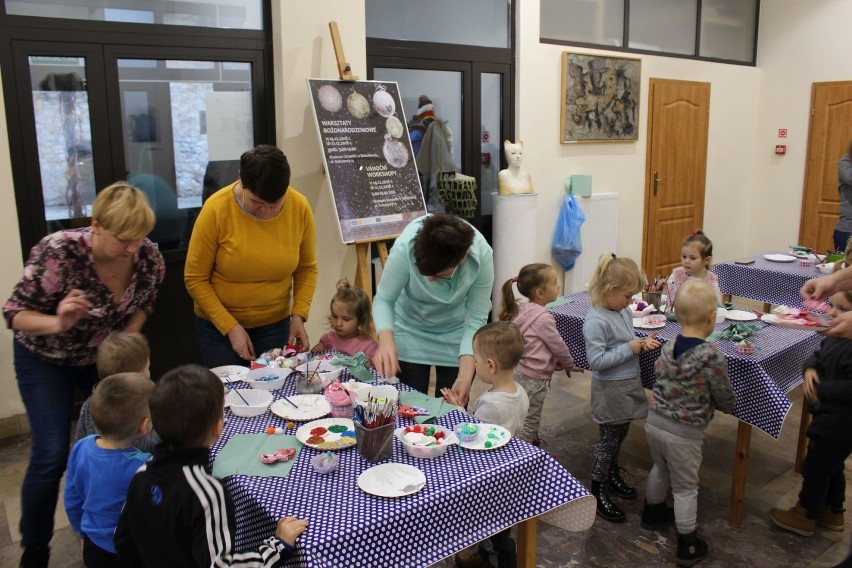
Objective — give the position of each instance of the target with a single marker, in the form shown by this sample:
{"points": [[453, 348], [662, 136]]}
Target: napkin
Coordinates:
{"points": [[356, 365], [560, 301], [437, 407], [241, 455]]}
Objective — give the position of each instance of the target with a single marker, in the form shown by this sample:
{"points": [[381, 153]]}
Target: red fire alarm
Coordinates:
{"points": [[780, 149], [782, 133]]}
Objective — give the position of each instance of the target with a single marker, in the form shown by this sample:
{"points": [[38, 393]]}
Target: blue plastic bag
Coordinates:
{"points": [[566, 245]]}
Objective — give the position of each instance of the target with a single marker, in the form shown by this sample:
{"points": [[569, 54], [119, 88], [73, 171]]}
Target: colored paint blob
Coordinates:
{"points": [[315, 440], [336, 428], [319, 431]]}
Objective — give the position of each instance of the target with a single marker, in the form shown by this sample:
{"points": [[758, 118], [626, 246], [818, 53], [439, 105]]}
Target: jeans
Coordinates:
{"points": [[216, 350], [840, 239], [48, 394], [416, 375], [823, 480]]}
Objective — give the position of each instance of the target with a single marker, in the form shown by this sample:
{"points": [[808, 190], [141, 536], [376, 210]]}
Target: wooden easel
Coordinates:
{"points": [[363, 274]]}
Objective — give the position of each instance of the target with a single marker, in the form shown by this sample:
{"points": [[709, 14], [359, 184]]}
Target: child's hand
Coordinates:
{"points": [[558, 367], [636, 345], [651, 342], [318, 348], [451, 397], [810, 386], [289, 528], [575, 369]]}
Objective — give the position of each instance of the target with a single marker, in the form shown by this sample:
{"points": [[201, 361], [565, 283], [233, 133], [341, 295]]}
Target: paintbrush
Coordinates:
{"points": [[239, 394]]}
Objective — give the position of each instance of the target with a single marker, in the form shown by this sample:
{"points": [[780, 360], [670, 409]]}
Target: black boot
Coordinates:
{"points": [[36, 556], [657, 516], [690, 549], [504, 546], [606, 508], [617, 484]]}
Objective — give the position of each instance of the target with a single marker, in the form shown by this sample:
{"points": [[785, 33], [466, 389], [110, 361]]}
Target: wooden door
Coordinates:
{"points": [[828, 140], [675, 173]]}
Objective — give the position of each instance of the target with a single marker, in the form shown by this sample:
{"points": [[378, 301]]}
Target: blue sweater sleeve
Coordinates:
{"points": [[600, 354]]}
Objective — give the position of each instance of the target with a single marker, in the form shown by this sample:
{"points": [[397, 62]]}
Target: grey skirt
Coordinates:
{"points": [[617, 402]]}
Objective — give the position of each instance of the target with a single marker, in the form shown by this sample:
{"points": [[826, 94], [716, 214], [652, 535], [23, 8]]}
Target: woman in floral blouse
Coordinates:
{"points": [[78, 286]]}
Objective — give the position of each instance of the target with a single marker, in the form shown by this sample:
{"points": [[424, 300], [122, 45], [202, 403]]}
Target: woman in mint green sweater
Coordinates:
{"points": [[434, 294]]}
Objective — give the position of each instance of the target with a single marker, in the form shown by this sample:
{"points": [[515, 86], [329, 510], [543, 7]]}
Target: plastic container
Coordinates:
{"points": [[745, 349], [467, 431], [721, 314], [306, 384], [322, 370], [365, 391], [258, 402], [428, 452], [374, 444], [253, 378], [653, 298], [804, 262], [344, 411], [827, 268]]}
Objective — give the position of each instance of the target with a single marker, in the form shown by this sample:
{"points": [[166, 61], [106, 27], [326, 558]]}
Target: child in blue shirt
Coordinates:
{"points": [[101, 466]]}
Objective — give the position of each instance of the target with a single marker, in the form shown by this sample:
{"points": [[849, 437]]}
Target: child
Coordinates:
{"points": [[544, 349], [695, 254], [176, 513], [100, 467], [497, 348], [120, 352], [352, 330], [692, 381], [828, 391], [618, 397]]}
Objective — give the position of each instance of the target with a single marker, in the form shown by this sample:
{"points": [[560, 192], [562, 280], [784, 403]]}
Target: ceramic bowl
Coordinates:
{"points": [[827, 268], [267, 378], [427, 452], [721, 314], [258, 402]]}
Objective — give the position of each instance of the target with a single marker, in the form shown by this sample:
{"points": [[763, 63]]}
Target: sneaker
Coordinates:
{"points": [[830, 520], [795, 519], [690, 549]]}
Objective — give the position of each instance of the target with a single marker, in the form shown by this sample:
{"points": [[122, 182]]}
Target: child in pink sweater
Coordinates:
{"points": [[352, 330], [544, 349]]}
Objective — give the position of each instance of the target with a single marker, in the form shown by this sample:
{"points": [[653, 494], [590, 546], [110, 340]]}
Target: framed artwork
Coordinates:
{"points": [[600, 98]]}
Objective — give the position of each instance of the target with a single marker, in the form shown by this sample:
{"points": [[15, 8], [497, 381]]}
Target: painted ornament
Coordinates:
{"points": [[394, 127], [395, 152], [330, 98], [383, 102], [358, 105]]}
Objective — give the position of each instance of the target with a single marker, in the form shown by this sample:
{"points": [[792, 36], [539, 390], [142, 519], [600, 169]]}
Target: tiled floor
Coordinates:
{"points": [[570, 435]]}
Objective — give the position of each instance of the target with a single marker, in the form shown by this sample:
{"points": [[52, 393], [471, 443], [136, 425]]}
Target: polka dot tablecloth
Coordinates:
{"points": [[469, 495], [761, 381], [766, 281]]}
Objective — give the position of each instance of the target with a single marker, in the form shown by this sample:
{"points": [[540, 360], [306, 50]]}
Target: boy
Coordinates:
{"points": [[176, 513], [101, 466], [119, 352], [692, 381], [828, 391], [497, 348]]}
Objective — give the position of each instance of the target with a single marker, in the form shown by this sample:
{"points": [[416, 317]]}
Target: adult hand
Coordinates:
{"points": [[461, 391], [819, 288], [71, 309], [841, 326], [451, 397], [241, 342], [810, 386], [289, 529], [298, 335], [385, 360]]}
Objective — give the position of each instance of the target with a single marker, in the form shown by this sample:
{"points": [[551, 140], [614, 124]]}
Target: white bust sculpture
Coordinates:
{"points": [[513, 180]]}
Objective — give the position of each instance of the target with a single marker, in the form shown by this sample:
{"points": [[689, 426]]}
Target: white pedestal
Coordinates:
{"points": [[514, 238]]}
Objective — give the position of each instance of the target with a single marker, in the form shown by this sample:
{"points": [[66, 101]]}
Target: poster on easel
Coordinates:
{"points": [[368, 157]]}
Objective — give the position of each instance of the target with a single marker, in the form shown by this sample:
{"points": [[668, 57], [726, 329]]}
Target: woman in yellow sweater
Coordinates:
{"points": [[251, 267]]}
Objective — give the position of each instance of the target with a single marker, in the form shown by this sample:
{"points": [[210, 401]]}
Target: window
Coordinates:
{"points": [[717, 30]]}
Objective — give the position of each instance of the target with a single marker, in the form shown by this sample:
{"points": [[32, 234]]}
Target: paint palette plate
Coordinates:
{"points": [[775, 320], [327, 434], [392, 480], [310, 407], [779, 257], [491, 437], [230, 372]]}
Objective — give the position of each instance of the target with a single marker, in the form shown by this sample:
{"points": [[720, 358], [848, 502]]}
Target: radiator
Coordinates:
{"points": [[599, 234]]}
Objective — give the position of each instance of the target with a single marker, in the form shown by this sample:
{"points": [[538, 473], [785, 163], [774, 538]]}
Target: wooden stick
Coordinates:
{"points": [[343, 67]]}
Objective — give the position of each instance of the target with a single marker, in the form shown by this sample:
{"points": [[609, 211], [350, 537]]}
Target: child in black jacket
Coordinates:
{"points": [[828, 391], [176, 513]]}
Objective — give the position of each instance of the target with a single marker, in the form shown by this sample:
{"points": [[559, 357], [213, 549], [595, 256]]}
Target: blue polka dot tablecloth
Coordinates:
{"points": [[766, 281], [761, 381], [469, 495]]}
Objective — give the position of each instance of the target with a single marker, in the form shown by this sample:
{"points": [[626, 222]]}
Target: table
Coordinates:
{"points": [[761, 381], [765, 281], [468, 496]]}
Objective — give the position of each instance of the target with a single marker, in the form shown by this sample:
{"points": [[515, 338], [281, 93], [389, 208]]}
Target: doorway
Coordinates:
{"points": [[828, 139], [675, 170]]}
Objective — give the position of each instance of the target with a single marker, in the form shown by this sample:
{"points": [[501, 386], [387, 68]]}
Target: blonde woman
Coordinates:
{"points": [[78, 286]]}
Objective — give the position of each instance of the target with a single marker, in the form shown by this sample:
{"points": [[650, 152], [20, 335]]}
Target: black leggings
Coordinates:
{"points": [[607, 450], [416, 375], [96, 557]]}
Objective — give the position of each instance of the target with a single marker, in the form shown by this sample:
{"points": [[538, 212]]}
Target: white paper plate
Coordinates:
{"points": [[311, 407], [331, 440], [392, 480], [638, 323], [779, 257], [496, 435], [232, 372], [775, 320], [740, 315]]}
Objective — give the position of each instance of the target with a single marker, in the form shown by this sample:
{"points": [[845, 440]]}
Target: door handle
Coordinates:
{"points": [[657, 180]]}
